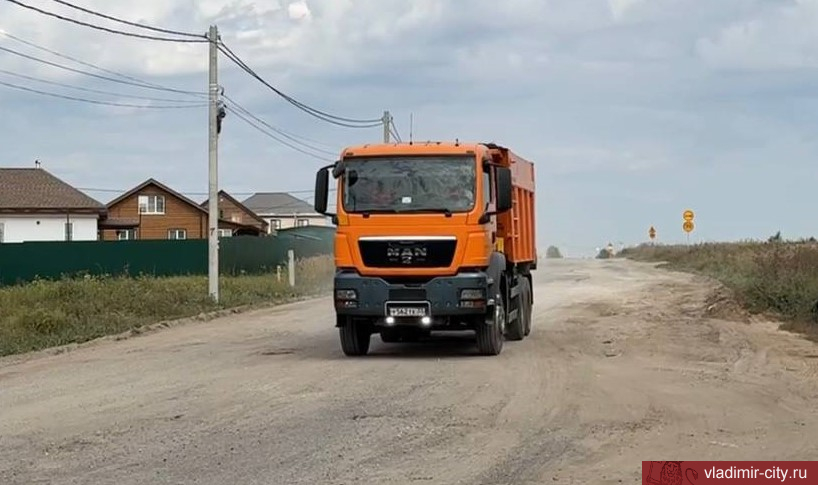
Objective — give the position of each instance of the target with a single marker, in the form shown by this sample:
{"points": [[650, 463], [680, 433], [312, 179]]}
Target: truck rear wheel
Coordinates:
{"points": [[491, 333], [355, 336], [516, 328], [527, 305]]}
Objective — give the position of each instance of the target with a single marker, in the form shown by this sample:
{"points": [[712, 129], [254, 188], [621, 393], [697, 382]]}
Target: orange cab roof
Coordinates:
{"points": [[406, 148]]}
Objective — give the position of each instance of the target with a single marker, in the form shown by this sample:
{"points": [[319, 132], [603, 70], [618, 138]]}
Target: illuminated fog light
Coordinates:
{"points": [[390, 320], [426, 320]]}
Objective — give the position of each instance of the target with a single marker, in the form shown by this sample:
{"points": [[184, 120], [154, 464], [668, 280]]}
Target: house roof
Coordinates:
{"points": [[232, 199], [165, 188], [161, 186], [35, 189], [278, 203]]}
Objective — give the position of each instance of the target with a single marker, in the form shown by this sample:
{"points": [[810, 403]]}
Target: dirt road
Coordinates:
{"points": [[624, 363]]}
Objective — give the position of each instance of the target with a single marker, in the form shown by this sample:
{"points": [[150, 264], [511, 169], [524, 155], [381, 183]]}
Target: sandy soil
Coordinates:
{"points": [[624, 363]]}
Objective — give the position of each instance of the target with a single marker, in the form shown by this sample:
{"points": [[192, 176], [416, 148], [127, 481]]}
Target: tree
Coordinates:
{"points": [[553, 252]]}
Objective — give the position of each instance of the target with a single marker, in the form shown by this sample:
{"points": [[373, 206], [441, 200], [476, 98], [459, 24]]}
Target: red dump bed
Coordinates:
{"points": [[517, 227]]}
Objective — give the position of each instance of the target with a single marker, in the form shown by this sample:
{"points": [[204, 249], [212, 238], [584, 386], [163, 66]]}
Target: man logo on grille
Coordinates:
{"points": [[406, 254]]}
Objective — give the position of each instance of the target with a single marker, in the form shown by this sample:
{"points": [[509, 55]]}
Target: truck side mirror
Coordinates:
{"points": [[321, 190], [504, 189]]}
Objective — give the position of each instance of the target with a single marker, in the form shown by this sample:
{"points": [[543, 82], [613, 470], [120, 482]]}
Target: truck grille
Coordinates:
{"points": [[407, 294], [397, 253]]}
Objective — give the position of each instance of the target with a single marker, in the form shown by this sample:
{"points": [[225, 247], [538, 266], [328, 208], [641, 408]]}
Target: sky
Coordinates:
{"points": [[631, 110]]}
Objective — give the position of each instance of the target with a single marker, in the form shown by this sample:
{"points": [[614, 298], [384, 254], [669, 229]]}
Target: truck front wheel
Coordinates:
{"points": [[355, 336], [491, 330]]}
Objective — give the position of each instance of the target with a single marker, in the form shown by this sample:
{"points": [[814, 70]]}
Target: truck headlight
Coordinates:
{"points": [[472, 294], [346, 295]]}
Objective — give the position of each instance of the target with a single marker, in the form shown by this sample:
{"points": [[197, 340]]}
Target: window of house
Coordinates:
{"points": [[2, 231], [225, 232], [151, 204], [177, 234], [69, 231], [275, 223], [302, 222], [126, 234]]}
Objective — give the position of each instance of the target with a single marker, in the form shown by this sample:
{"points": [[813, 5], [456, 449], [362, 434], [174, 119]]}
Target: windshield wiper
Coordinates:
{"points": [[445, 211], [369, 212]]}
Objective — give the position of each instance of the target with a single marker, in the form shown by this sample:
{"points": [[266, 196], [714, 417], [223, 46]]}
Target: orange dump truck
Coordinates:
{"points": [[431, 236]]}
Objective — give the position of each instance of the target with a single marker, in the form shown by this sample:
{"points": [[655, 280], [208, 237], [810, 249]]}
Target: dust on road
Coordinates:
{"points": [[624, 363]]}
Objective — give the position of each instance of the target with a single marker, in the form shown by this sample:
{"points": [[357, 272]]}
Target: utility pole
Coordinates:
{"points": [[213, 176], [387, 119]]}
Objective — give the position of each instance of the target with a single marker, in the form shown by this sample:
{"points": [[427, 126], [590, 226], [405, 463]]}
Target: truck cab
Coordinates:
{"points": [[421, 243]]}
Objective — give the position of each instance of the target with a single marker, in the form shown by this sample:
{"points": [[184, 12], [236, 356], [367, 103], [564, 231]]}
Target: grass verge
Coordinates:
{"points": [[774, 278], [44, 314]]}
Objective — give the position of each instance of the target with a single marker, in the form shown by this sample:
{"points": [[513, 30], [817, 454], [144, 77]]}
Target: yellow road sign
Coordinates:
{"points": [[688, 226], [652, 232], [688, 215]]}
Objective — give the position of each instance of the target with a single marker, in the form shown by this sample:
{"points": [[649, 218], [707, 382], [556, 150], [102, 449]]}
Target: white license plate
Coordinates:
{"points": [[407, 312]]}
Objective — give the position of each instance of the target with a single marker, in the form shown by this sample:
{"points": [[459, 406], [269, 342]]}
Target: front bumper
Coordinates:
{"points": [[441, 296]]}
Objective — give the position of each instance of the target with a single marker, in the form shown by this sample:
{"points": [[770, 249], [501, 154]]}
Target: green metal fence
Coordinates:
{"points": [[22, 262]]}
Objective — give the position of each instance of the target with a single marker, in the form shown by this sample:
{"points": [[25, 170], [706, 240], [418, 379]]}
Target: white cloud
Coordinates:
{"points": [[617, 93], [783, 37], [620, 8], [299, 10]]}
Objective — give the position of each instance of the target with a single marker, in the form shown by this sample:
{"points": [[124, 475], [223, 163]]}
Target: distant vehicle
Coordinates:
{"points": [[431, 236]]}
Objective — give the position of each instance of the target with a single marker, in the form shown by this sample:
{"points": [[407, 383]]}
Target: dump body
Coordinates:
{"points": [[516, 228], [432, 236]]}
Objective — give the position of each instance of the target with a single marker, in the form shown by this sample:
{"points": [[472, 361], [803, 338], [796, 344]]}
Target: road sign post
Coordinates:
{"points": [[688, 224], [652, 233]]}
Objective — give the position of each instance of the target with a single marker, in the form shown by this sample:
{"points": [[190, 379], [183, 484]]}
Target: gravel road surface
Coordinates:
{"points": [[625, 363]]}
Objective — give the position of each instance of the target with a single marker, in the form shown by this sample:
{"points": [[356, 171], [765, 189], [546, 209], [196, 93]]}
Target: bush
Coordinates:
{"points": [[768, 277], [553, 252], [604, 253], [43, 313]]}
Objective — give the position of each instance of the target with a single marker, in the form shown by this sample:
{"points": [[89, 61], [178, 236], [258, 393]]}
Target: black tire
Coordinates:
{"points": [[527, 306], [490, 330], [516, 329], [355, 337]]}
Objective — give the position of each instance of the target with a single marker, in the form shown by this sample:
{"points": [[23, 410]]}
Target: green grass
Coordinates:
{"points": [[44, 314], [774, 278]]}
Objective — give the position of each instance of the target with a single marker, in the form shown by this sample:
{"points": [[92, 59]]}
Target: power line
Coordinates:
{"points": [[394, 130], [134, 24], [294, 138], [141, 82], [340, 121], [279, 130], [105, 29], [98, 76], [122, 191], [97, 91], [106, 103], [319, 114], [347, 122], [262, 130]]}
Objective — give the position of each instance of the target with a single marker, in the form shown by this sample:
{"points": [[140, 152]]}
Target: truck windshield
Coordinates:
{"points": [[409, 184]]}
